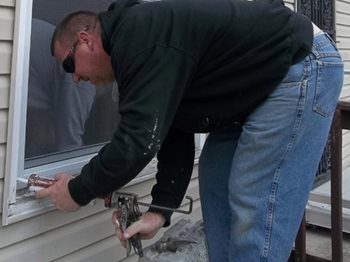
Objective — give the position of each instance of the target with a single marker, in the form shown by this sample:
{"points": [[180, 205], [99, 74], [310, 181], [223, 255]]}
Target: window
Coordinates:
{"points": [[55, 124], [64, 119]]}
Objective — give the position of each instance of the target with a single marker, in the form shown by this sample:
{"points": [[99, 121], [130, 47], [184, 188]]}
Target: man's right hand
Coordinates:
{"points": [[147, 226]]}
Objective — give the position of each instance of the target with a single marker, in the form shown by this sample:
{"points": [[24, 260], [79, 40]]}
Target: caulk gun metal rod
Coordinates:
{"points": [[23, 180], [170, 209]]}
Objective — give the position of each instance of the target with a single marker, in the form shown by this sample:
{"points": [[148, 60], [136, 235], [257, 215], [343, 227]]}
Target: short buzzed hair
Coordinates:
{"points": [[71, 24]]}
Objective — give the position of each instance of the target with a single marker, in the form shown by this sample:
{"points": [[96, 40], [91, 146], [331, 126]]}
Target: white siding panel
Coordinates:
{"points": [[343, 31], [3, 126], [346, 79], [4, 91], [1, 194], [346, 164], [342, 7], [7, 2], [345, 149], [345, 92], [5, 57], [346, 157], [40, 225], [346, 146], [346, 140], [342, 19], [6, 23], [2, 160], [343, 43], [54, 244], [345, 53], [106, 250]]}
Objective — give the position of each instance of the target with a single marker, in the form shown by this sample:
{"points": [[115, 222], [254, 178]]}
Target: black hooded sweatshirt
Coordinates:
{"points": [[185, 67]]}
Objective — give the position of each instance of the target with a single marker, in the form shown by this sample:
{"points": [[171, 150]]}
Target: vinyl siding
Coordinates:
{"points": [[5, 3], [6, 22], [2, 161], [343, 43], [6, 35], [343, 40]]}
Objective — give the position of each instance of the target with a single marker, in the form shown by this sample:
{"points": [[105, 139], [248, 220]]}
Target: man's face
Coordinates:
{"points": [[86, 61]]}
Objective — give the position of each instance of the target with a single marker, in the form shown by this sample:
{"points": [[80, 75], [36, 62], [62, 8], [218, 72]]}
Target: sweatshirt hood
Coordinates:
{"points": [[111, 18]]}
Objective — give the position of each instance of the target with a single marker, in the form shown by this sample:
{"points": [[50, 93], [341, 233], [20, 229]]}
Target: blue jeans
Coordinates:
{"points": [[255, 179]]}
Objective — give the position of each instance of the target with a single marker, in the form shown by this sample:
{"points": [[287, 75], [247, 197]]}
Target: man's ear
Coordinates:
{"points": [[85, 37]]}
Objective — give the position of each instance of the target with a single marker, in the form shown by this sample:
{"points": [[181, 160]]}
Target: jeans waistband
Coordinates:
{"points": [[319, 33], [324, 46]]}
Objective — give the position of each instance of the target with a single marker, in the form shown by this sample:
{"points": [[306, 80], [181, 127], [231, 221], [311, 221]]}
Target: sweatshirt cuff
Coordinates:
{"points": [[79, 192], [165, 213]]}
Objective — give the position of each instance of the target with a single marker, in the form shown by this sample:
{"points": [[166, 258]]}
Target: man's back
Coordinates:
{"points": [[228, 41]]}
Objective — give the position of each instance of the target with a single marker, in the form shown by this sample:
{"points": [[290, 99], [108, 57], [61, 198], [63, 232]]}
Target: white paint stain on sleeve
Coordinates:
{"points": [[153, 131]]}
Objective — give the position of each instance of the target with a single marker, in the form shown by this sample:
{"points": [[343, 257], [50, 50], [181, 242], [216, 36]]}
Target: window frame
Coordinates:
{"points": [[17, 104], [19, 204]]}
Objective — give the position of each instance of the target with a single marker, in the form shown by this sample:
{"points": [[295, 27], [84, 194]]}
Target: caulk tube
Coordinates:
{"points": [[35, 180], [36, 183]]}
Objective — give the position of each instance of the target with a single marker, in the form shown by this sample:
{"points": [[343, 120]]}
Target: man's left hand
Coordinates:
{"points": [[147, 226], [59, 194]]}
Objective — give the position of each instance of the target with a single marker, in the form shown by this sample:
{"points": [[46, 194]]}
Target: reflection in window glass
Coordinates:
{"points": [[64, 119]]}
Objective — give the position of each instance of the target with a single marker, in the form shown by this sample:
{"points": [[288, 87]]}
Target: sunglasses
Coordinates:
{"points": [[69, 62]]}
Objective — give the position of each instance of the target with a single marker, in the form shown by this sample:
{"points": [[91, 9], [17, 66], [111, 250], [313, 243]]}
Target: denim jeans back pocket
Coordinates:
{"points": [[329, 81]]}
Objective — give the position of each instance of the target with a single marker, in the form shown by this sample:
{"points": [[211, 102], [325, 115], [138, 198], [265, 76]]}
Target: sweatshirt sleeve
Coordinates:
{"points": [[152, 85], [175, 165]]}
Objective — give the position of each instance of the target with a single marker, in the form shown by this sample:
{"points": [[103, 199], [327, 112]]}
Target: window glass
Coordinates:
{"points": [[64, 119]]}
